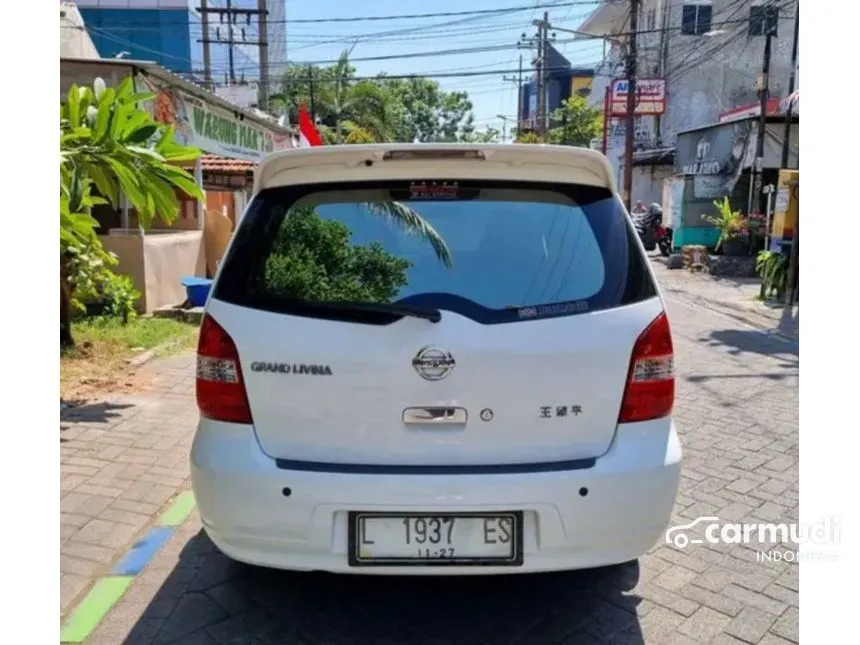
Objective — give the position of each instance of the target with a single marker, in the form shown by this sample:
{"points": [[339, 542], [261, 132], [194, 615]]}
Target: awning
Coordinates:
{"points": [[655, 157]]}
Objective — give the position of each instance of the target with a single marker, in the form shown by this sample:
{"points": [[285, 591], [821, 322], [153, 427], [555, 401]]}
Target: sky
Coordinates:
{"points": [[491, 95]]}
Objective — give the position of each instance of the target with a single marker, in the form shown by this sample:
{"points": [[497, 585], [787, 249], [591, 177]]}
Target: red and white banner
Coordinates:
{"points": [[308, 133]]}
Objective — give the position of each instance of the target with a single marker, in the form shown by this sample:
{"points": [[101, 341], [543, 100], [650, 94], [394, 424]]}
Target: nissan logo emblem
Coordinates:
{"points": [[432, 363]]}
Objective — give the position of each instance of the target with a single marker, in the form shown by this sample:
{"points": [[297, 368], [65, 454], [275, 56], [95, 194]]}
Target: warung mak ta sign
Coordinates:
{"points": [[205, 126]]}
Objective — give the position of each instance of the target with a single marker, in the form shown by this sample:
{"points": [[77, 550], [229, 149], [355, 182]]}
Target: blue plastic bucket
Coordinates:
{"points": [[197, 289]]}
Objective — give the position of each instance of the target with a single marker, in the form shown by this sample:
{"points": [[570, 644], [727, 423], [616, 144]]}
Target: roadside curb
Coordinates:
{"points": [[83, 618], [141, 359], [147, 356]]}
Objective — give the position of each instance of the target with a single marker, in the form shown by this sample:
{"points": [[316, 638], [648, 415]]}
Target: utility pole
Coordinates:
{"points": [[262, 22], [518, 79], [230, 13], [786, 133], [207, 58], [311, 92], [764, 94], [630, 116], [230, 42], [540, 81]]}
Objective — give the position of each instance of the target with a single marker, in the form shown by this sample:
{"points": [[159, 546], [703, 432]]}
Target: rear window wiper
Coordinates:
{"points": [[287, 304], [427, 313]]}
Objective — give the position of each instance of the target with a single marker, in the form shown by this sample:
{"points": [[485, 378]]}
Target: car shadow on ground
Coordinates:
{"points": [[209, 599]]}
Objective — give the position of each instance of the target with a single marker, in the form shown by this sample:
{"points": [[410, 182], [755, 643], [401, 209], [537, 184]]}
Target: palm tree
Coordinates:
{"points": [[403, 217]]}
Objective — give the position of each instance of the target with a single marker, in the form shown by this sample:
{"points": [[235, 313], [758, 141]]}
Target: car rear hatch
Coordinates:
{"points": [[361, 338]]}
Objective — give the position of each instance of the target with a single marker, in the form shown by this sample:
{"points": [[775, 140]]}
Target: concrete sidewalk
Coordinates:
{"points": [[122, 461]]}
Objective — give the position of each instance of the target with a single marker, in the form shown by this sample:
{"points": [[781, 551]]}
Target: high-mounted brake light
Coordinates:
{"points": [[221, 394], [404, 155], [650, 391]]}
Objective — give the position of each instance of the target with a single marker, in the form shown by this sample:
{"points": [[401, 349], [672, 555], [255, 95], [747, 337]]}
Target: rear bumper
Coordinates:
{"points": [[626, 508]]}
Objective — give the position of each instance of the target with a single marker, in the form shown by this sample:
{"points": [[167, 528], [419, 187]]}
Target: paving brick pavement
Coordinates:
{"points": [[121, 461], [737, 413], [735, 297]]}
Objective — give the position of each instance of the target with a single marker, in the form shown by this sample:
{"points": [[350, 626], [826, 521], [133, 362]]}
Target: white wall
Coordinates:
{"points": [[707, 75]]}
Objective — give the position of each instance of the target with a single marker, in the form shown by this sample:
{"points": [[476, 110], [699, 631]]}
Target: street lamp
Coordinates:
{"points": [[505, 120]]}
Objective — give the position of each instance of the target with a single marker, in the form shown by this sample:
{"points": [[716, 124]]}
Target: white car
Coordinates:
{"points": [[373, 400]]}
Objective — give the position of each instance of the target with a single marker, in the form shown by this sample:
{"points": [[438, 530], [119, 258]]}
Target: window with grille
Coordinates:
{"points": [[696, 19], [764, 19]]}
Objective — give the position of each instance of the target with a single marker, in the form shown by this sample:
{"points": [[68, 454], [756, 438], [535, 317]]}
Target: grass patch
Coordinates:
{"points": [[99, 360]]}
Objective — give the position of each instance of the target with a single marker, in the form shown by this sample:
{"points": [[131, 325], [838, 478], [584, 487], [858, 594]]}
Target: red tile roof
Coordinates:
{"points": [[214, 163]]}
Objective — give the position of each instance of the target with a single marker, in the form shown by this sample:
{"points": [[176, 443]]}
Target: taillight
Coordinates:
{"points": [[650, 391], [221, 392]]}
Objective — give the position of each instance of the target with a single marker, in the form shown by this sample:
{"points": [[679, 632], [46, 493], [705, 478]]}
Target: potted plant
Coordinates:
{"points": [[733, 227]]}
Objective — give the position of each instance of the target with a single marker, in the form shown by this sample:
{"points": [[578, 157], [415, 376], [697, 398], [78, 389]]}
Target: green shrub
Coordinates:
{"points": [[772, 268]]}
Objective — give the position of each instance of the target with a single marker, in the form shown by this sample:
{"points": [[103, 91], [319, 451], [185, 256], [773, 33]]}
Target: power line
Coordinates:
{"points": [[417, 16], [499, 47]]}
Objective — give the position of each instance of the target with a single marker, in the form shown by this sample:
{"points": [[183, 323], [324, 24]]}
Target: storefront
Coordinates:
{"points": [[715, 162]]}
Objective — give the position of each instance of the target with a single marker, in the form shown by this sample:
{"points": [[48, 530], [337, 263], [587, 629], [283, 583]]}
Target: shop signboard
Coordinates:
{"points": [[650, 97], [203, 125], [720, 150]]}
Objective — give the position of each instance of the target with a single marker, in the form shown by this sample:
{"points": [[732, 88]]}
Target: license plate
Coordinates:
{"points": [[437, 539]]}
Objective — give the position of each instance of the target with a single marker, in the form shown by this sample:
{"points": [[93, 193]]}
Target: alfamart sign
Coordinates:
{"points": [[205, 126]]}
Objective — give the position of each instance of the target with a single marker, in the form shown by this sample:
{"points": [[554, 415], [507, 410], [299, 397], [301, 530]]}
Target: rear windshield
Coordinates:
{"points": [[494, 252]]}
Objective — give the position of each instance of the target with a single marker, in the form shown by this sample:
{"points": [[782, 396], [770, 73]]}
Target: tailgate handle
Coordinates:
{"points": [[435, 416]]}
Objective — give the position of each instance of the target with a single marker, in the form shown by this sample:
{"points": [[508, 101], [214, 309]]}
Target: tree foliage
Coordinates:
{"points": [[487, 135], [313, 259], [529, 137], [382, 109], [577, 123], [108, 142], [109, 147]]}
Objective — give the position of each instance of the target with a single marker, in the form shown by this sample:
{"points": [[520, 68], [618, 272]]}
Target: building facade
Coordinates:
{"points": [[156, 30], [710, 55]]}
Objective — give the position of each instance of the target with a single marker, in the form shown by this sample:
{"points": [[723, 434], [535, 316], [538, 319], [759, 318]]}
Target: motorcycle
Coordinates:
{"points": [[645, 229], [663, 237], [649, 227]]}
